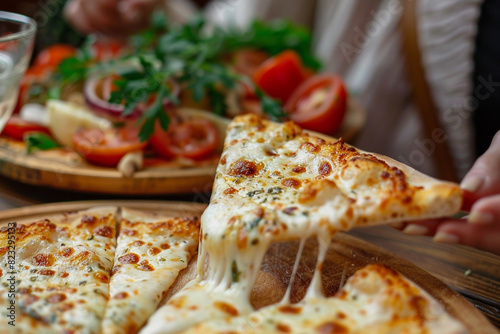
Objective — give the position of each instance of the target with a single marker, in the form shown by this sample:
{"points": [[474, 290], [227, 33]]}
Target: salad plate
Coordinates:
{"points": [[65, 169]]}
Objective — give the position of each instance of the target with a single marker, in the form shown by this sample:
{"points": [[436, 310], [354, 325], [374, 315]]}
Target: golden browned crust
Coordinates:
{"points": [[95, 221], [138, 223]]}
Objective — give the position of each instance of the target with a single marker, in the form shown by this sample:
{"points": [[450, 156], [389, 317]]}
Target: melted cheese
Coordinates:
{"points": [[374, 300], [275, 183]]}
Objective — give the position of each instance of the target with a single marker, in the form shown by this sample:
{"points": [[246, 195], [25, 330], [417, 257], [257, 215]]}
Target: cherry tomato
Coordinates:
{"points": [[194, 138], [247, 61], [53, 55], [280, 75], [107, 148], [16, 128], [319, 104]]}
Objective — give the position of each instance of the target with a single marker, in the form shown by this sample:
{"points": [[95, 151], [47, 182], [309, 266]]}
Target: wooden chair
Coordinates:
{"points": [[421, 90]]}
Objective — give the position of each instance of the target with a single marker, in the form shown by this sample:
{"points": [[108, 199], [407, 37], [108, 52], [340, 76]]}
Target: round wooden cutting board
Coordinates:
{"points": [[66, 170], [346, 255]]}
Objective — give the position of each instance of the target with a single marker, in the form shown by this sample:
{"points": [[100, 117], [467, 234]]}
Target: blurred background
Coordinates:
{"points": [[425, 73]]}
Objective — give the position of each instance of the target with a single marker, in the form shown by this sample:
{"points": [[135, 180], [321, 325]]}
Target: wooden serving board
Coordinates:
{"points": [[63, 169], [346, 255], [66, 170]]}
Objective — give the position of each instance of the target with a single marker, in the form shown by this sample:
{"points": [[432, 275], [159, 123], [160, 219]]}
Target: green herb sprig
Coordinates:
{"points": [[38, 141], [192, 55]]}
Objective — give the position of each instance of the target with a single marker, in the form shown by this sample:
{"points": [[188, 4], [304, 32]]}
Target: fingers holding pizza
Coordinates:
{"points": [[483, 180], [481, 227]]}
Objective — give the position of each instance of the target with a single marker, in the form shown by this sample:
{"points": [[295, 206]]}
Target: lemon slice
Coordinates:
{"points": [[66, 118]]}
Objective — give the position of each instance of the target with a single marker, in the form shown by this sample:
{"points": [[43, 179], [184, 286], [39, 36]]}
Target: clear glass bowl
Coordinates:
{"points": [[17, 35]]}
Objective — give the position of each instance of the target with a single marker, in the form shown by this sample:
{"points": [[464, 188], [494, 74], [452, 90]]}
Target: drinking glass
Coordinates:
{"points": [[17, 35]]}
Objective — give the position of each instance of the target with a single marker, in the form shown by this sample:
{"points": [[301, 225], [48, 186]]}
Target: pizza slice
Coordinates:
{"points": [[282, 177], [275, 182], [376, 299], [151, 251], [62, 268]]}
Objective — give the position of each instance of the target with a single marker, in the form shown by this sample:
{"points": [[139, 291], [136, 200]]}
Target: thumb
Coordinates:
{"points": [[484, 177]]}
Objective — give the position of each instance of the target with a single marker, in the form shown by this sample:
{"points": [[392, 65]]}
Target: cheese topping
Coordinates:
{"points": [[63, 271], [276, 183], [150, 253]]}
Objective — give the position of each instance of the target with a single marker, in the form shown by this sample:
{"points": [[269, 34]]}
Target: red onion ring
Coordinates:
{"points": [[100, 105]]}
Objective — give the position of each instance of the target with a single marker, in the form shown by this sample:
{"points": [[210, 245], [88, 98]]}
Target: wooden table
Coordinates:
{"points": [[475, 274]]}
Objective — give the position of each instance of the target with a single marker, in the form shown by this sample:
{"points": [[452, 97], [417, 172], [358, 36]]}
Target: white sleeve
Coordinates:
{"points": [[447, 30]]}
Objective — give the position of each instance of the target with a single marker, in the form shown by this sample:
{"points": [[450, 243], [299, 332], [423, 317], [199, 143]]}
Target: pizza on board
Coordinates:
{"points": [[275, 183], [79, 273]]}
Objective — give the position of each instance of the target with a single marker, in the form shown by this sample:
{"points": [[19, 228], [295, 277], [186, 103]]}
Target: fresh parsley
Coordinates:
{"points": [[38, 141], [194, 56]]}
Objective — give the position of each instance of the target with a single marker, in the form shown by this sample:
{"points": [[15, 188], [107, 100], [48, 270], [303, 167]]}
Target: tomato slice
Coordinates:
{"points": [[319, 104], [107, 148], [52, 56], [247, 61], [194, 138], [280, 75], [16, 128]]}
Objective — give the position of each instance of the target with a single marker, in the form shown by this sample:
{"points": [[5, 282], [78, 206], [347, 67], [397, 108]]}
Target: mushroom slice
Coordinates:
{"points": [[130, 163]]}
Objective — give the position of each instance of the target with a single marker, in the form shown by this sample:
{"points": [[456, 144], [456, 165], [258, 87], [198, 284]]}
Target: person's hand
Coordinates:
{"points": [[115, 18], [481, 228]]}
